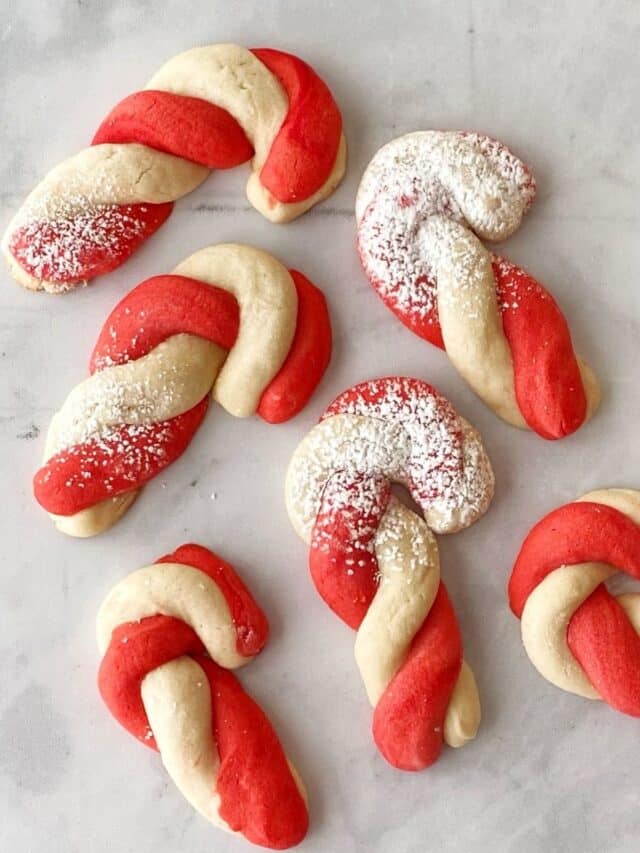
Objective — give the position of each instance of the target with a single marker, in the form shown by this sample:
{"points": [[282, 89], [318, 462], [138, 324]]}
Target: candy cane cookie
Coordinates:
{"points": [[210, 107], [577, 635], [424, 203], [375, 562], [170, 635], [230, 320]]}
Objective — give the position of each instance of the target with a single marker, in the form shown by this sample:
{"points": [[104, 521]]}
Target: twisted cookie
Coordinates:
{"points": [[230, 320], [169, 635], [423, 202], [375, 562], [577, 635], [208, 108]]}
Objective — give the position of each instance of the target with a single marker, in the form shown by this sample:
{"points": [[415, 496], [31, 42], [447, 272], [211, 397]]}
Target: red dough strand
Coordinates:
{"points": [[547, 378], [578, 532], [124, 459], [136, 649], [290, 390], [606, 646], [424, 323], [91, 243], [344, 571], [160, 307], [186, 127], [304, 151], [599, 634], [250, 622], [258, 794], [408, 721]]}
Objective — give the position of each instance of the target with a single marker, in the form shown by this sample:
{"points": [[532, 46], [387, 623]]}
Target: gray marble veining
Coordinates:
{"points": [[549, 771]]}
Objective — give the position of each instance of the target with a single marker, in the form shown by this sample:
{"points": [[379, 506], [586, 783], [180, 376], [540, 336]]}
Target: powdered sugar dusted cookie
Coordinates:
{"points": [[210, 107], [424, 203], [170, 635], [230, 320], [375, 562]]}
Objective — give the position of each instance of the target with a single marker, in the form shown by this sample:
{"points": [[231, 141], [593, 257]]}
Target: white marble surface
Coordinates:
{"points": [[549, 771]]}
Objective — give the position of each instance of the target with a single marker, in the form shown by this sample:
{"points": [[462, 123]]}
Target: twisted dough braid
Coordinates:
{"points": [[375, 562], [423, 202], [169, 634], [577, 635], [208, 108], [230, 320]]}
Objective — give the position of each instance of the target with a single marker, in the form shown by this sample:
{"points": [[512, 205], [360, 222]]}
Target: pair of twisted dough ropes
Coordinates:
{"points": [[230, 320], [423, 202], [579, 636], [209, 108], [169, 634], [375, 562]]}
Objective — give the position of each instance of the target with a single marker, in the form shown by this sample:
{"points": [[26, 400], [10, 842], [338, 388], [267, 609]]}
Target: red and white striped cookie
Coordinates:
{"points": [[375, 562], [230, 320], [577, 635], [208, 108], [423, 203], [169, 634]]}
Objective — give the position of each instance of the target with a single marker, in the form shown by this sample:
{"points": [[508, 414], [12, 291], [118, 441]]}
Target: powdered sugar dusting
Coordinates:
{"points": [[168, 381], [120, 427], [470, 179], [360, 501], [513, 284], [92, 210], [462, 267], [138, 449], [448, 473], [400, 430], [360, 446], [391, 541], [63, 250]]}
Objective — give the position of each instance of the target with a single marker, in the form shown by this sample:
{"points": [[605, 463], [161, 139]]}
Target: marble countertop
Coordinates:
{"points": [[548, 771]]}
